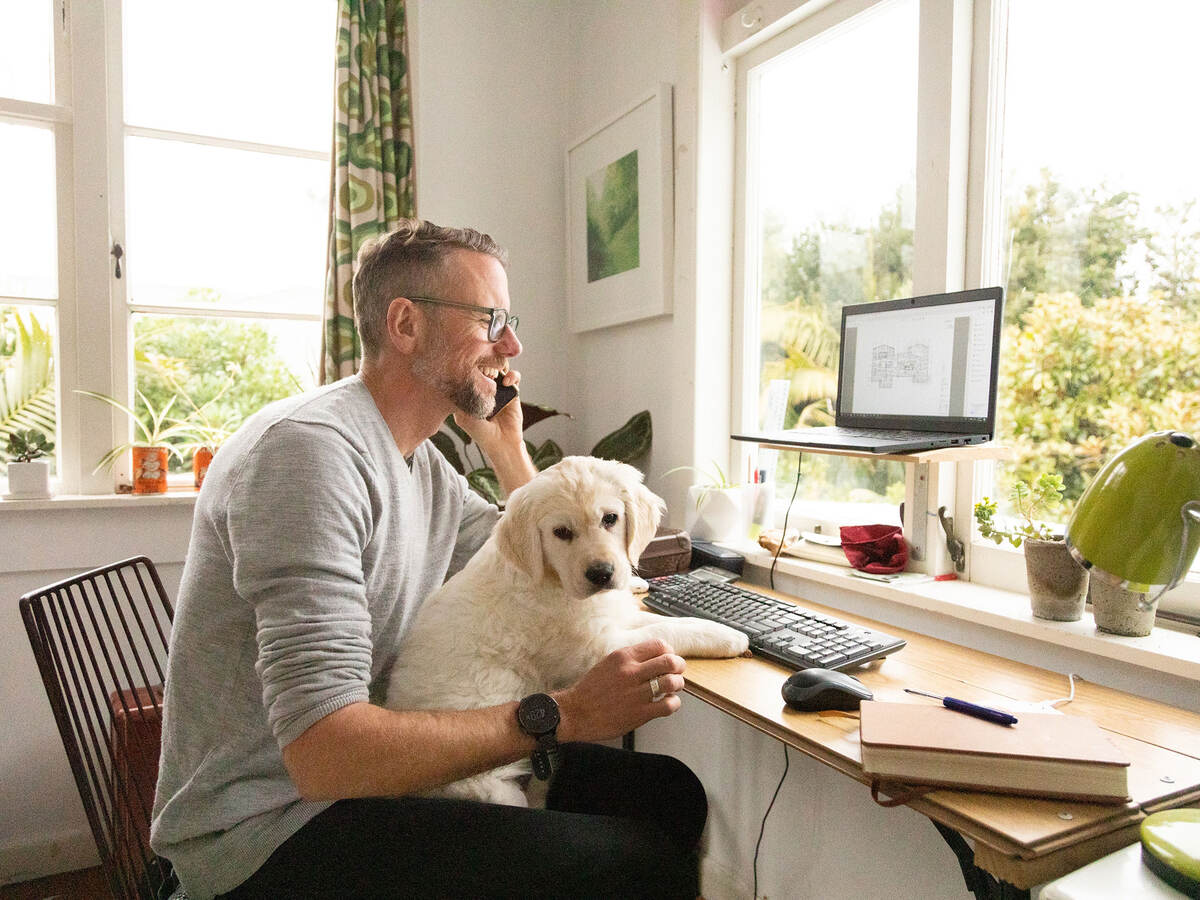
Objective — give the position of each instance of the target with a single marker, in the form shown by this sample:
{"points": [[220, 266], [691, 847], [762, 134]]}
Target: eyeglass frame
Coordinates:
{"points": [[508, 320]]}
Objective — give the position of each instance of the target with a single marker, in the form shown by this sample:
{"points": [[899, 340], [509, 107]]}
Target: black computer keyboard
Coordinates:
{"points": [[780, 631]]}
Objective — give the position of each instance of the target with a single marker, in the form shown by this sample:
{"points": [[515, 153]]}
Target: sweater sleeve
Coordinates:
{"points": [[298, 531]]}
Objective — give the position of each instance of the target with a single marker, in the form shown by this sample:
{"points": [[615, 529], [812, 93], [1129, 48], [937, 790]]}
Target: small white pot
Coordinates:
{"points": [[718, 514], [29, 480]]}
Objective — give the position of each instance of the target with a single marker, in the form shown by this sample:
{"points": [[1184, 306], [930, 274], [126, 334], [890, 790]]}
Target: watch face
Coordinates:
{"points": [[538, 714]]}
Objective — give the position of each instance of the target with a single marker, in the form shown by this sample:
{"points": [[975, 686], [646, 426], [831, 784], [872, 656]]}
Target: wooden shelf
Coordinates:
{"points": [[989, 450]]}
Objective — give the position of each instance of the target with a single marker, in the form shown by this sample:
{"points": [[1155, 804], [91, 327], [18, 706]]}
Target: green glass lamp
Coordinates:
{"points": [[1137, 525]]}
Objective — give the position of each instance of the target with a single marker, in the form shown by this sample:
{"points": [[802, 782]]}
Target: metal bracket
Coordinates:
{"points": [[954, 546]]}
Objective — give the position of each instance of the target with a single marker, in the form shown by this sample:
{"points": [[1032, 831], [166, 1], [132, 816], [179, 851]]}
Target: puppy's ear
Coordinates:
{"points": [[517, 535], [643, 511]]}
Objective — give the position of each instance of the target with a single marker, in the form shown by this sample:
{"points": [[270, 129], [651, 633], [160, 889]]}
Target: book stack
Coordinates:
{"points": [[1043, 755]]}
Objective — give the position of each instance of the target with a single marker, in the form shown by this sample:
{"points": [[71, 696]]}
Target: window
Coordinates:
{"points": [[889, 147], [829, 222], [29, 232], [1102, 245], [217, 178]]}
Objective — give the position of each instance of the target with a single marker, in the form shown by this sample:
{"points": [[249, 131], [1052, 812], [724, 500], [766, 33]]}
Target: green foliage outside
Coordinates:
{"points": [[26, 378], [1101, 342], [219, 370]]}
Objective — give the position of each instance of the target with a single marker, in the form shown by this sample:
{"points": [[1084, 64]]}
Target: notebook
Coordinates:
{"points": [[913, 374], [1043, 755]]}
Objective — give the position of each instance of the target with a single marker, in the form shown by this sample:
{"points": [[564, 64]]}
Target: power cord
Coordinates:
{"points": [[787, 512], [763, 827]]}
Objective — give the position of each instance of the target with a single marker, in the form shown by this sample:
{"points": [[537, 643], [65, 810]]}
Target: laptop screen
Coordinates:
{"points": [[925, 363]]}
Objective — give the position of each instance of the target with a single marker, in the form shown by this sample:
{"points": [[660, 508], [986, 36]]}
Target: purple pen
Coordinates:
{"points": [[999, 716]]}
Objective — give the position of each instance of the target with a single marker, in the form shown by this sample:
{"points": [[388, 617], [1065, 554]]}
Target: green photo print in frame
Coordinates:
{"points": [[612, 218]]}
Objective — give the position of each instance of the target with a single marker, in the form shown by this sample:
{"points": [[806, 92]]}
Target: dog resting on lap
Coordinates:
{"points": [[545, 599]]}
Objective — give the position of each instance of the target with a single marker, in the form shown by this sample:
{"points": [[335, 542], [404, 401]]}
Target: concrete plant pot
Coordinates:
{"points": [[1057, 583], [718, 514], [1119, 611]]}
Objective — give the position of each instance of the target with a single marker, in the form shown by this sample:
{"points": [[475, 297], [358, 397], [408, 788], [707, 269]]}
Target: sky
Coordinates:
{"points": [[1096, 90]]}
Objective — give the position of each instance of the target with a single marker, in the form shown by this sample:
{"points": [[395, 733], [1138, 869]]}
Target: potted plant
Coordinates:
{"points": [[718, 509], [149, 455], [28, 471], [627, 444], [1057, 583]]}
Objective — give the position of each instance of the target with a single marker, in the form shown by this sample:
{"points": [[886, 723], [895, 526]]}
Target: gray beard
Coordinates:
{"points": [[461, 393]]}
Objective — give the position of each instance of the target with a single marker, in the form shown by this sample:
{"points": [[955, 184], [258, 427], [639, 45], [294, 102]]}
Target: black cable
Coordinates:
{"points": [[787, 512], [763, 827]]}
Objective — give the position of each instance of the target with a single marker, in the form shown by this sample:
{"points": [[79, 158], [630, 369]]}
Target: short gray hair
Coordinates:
{"points": [[409, 260]]}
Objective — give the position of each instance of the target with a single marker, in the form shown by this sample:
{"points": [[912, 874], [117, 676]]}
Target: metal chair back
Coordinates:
{"points": [[100, 641]]}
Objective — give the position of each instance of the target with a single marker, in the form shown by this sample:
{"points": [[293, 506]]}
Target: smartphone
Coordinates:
{"points": [[504, 393]]}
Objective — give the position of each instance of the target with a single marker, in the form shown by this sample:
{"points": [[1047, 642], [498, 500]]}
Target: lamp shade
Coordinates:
{"points": [[1134, 523]]}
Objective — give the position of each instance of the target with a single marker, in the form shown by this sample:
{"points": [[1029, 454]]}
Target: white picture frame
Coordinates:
{"points": [[620, 270]]}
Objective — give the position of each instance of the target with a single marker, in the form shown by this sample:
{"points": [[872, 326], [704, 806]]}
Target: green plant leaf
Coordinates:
{"points": [[483, 481], [628, 443], [546, 455], [531, 413], [458, 432], [443, 442]]}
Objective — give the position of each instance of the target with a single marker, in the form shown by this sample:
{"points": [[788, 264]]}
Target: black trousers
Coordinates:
{"points": [[617, 824]]}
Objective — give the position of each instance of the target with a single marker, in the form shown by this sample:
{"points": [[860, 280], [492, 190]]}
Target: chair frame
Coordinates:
{"points": [[115, 606]]}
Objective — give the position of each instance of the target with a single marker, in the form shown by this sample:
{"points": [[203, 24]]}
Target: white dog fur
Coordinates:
{"points": [[522, 616]]}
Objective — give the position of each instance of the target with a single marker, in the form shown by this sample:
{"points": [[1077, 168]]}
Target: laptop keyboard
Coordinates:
{"points": [[780, 631], [899, 435]]}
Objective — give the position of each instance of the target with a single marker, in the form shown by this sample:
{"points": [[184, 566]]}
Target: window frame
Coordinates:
{"points": [[957, 229], [87, 112]]}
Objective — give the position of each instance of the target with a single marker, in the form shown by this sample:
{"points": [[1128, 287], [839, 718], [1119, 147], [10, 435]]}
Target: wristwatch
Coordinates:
{"points": [[537, 716]]}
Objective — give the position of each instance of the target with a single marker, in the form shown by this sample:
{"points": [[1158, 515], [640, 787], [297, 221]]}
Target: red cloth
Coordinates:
{"points": [[878, 549]]}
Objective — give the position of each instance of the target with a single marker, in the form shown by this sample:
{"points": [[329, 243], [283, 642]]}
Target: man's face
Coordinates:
{"points": [[458, 361]]}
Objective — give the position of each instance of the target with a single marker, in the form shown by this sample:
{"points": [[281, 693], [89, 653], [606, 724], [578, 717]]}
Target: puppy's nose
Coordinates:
{"points": [[599, 573]]}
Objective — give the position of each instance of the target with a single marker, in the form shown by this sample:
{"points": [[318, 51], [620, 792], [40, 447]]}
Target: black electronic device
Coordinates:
{"points": [[504, 393], [813, 690], [709, 554], [784, 632], [538, 717]]}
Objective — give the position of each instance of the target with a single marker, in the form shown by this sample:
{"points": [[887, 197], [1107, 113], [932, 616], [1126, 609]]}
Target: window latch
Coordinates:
{"points": [[116, 253]]}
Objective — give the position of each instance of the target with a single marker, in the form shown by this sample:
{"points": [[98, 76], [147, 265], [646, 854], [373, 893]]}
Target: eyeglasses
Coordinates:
{"points": [[498, 317]]}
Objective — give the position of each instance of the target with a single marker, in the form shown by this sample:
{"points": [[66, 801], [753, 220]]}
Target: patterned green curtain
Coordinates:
{"points": [[372, 184]]}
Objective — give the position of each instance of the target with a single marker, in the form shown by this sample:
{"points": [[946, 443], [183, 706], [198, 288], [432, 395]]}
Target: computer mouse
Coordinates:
{"points": [[812, 690]]}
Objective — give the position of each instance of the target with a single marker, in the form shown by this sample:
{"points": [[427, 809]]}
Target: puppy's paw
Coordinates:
{"points": [[724, 641]]}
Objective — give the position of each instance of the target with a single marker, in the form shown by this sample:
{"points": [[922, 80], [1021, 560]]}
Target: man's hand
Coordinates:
{"points": [[616, 696], [502, 440]]}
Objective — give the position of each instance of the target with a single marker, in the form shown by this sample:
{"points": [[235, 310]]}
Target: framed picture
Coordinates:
{"points": [[620, 222]]}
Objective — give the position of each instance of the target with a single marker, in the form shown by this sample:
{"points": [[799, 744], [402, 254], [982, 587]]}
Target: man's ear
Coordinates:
{"points": [[643, 511], [517, 535], [402, 329]]}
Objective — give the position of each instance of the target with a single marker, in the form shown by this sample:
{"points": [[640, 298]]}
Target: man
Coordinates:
{"points": [[322, 526]]}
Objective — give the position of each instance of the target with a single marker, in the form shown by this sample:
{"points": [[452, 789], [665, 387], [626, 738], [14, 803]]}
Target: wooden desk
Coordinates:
{"points": [[1020, 841]]}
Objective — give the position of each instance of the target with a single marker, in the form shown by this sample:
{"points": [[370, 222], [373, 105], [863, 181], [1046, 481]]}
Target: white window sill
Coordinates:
{"points": [[173, 497], [1169, 648]]}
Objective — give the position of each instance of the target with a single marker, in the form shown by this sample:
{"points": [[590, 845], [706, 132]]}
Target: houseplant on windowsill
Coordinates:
{"points": [[28, 472], [718, 509], [149, 455], [1057, 583]]}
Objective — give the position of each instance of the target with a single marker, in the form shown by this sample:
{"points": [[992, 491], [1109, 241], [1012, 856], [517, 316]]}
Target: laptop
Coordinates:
{"points": [[914, 374]]}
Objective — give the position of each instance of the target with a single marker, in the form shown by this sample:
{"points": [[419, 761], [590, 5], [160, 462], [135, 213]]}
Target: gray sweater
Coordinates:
{"points": [[314, 542]]}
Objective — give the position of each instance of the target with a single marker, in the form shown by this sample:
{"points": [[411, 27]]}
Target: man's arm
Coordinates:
{"points": [[361, 750]]}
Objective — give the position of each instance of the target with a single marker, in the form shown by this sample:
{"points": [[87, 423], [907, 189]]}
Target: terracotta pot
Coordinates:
{"points": [[149, 470], [1057, 584], [200, 460]]}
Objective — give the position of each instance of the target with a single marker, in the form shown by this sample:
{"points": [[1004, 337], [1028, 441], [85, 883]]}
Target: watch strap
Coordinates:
{"points": [[544, 756]]}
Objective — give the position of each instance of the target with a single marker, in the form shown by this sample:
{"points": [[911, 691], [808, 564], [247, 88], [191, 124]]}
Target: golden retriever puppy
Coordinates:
{"points": [[545, 599]]}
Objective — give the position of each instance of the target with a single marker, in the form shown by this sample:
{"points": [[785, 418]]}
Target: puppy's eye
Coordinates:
{"points": [[609, 520], [563, 533]]}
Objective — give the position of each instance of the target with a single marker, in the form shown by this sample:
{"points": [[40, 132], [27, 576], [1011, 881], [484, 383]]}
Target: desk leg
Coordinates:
{"points": [[980, 883]]}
